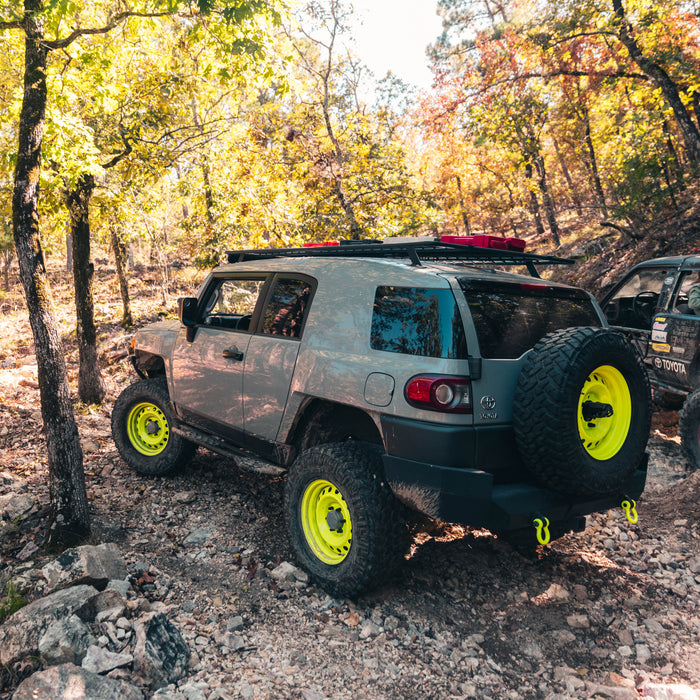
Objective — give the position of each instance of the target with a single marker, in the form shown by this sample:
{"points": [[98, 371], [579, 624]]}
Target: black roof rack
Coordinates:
{"points": [[415, 252]]}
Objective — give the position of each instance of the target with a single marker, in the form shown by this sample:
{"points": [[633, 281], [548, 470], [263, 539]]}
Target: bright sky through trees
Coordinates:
{"points": [[393, 35]]}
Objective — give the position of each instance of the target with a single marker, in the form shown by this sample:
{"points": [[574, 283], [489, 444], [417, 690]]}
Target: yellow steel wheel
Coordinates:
{"points": [[603, 437], [325, 519], [148, 429]]}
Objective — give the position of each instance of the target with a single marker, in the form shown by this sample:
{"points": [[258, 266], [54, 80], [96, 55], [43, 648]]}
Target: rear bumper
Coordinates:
{"points": [[470, 496]]}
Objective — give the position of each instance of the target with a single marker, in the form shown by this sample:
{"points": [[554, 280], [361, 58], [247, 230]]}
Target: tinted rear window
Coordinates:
{"points": [[510, 318], [417, 321]]}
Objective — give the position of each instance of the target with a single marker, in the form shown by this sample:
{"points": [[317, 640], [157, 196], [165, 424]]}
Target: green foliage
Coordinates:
{"points": [[560, 90], [11, 601]]}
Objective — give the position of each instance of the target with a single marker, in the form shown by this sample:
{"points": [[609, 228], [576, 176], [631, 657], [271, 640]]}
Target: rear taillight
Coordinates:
{"points": [[440, 393], [533, 286]]}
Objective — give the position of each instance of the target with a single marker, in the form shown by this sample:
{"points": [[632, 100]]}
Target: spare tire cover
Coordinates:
{"points": [[582, 411]]}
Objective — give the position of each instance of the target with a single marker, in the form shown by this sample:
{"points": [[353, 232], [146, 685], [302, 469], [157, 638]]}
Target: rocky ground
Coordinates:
{"points": [[613, 611], [610, 612]]}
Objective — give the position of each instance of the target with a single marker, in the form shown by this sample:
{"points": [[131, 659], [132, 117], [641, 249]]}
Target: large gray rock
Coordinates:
{"points": [[91, 564], [10, 482], [20, 633], [160, 654], [65, 642], [12, 505], [108, 605], [69, 681], [99, 660], [660, 691]]}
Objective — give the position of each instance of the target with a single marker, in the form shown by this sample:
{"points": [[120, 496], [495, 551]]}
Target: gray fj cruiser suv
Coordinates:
{"points": [[383, 375], [651, 305]]}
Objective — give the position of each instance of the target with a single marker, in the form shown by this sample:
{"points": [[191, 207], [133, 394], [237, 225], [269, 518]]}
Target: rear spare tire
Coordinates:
{"points": [[582, 411], [689, 429]]}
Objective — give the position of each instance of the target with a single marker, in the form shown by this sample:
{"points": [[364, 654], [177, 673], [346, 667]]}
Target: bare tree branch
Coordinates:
{"points": [[16, 24], [128, 148], [112, 24]]}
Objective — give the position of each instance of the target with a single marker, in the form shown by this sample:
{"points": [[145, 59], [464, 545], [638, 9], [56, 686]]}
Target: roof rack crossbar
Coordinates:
{"points": [[415, 252]]}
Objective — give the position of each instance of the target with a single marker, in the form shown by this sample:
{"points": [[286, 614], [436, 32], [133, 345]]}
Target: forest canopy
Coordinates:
{"points": [[544, 117]]}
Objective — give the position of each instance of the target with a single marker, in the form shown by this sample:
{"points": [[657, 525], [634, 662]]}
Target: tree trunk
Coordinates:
{"points": [[567, 177], [593, 162], [462, 208], [677, 169], [547, 200], [69, 253], [534, 203], [203, 164], [696, 107], [338, 184], [7, 257], [121, 259], [691, 135], [69, 516], [91, 387]]}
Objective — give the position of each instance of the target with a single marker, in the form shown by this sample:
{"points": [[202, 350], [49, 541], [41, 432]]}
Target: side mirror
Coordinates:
{"points": [[187, 311]]}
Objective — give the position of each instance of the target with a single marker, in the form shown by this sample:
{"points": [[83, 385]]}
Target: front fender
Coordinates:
{"points": [[154, 344]]}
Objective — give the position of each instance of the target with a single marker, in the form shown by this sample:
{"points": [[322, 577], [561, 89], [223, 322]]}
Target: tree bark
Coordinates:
{"points": [[696, 107], [91, 386], [462, 208], [593, 162], [6, 265], [121, 262], [204, 164], [690, 133], [338, 184], [69, 516], [547, 199], [567, 177], [69, 253], [534, 203]]}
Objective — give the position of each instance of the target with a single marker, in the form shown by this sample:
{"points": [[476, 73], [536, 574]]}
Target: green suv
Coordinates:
{"points": [[655, 304], [389, 376]]}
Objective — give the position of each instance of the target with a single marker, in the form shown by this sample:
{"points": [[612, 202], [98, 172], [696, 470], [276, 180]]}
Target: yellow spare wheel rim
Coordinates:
{"points": [[325, 519], [604, 412], [148, 429]]}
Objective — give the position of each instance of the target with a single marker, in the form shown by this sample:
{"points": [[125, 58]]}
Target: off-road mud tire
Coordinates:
{"points": [[689, 429], [552, 436], [171, 453], [379, 535]]}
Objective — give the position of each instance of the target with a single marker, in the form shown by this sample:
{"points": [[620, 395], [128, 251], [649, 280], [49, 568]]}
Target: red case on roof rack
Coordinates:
{"points": [[324, 244], [483, 240]]}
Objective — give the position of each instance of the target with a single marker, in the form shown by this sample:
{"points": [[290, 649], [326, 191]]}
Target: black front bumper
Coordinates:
{"points": [[479, 498]]}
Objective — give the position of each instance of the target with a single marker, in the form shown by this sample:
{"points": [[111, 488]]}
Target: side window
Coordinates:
{"points": [[417, 321], [286, 309], [682, 302], [231, 302], [633, 305]]}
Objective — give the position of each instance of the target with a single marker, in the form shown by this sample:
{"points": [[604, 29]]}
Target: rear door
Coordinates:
{"points": [[509, 319], [272, 354]]}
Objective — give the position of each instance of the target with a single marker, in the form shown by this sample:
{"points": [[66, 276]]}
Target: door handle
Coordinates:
{"points": [[233, 354]]}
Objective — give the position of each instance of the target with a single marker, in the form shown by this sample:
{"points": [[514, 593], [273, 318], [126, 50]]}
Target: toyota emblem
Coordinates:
{"points": [[488, 403]]}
